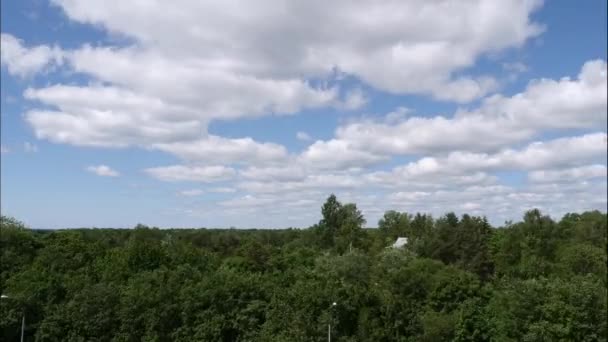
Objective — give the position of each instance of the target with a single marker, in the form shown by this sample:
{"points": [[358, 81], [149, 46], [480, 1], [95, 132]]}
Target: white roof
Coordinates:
{"points": [[401, 241]]}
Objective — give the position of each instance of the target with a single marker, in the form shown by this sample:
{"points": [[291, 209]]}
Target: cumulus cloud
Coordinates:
{"points": [[354, 99], [207, 174], [184, 69], [550, 104], [499, 121], [561, 152], [457, 181], [24, 61], [276, 173], [461, 181], [322, 182], [188, 75], [337, 154], [103, 170], [215, 149], [303, 136], [570, 174], [107, 116], [503, 202], [222, 190], [396, 46]]}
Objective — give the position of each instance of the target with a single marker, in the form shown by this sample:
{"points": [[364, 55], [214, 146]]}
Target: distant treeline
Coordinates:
{"points": [[457, 279]]}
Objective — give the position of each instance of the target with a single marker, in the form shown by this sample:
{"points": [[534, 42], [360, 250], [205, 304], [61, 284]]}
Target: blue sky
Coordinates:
{"points": [[219, 115]]}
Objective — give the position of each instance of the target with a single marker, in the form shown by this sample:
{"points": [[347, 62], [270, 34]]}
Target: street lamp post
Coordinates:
{"points": [[22, 318], [329, 324], [22, 326]]}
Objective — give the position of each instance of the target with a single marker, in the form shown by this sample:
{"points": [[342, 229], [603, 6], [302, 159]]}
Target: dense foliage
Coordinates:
{"points": [[457, 279]]}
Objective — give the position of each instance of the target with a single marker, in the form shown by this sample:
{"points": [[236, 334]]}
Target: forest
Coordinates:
{"points": [[457, 279]]}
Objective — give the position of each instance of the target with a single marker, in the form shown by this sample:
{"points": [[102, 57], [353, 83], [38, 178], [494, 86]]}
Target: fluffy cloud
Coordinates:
{"points": [[181, 68], [337, 154], [114, 117], [103, 170], [461, 181], [320, 182], [499, 121], [462, 166], [502, 202], [222, 190], [188, 75], [354, 99], [401, 47], [191, 82], [454, 171], [24, 61], [550, 104], [107, 116], [568, 175], [303, 136], [215, 149], [275, 173], [558, 152], [205, 174]]}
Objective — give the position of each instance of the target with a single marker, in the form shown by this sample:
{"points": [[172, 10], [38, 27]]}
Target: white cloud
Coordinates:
{"points": [[188, 75], [558, 152], [278, 173], [115, 117], [191, 192], [153, 107], [452, 172], [303, 136], [103, 170], [198, 63], [214, 149], [468, 206], [569, 175], [216, 92], [550, 104], [354, 99], [324, 182], [222, 190], [418, 135], [409, 196], [412, 46], [28, 147], [553, 153], [501, 203], [337, 154], [461, 181], [248, 201], [404, 177], [23, 61], [498, 122], [108, 116], [205, 174], [497, 201], [397, 116], [538, 155], [4, 149]]}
